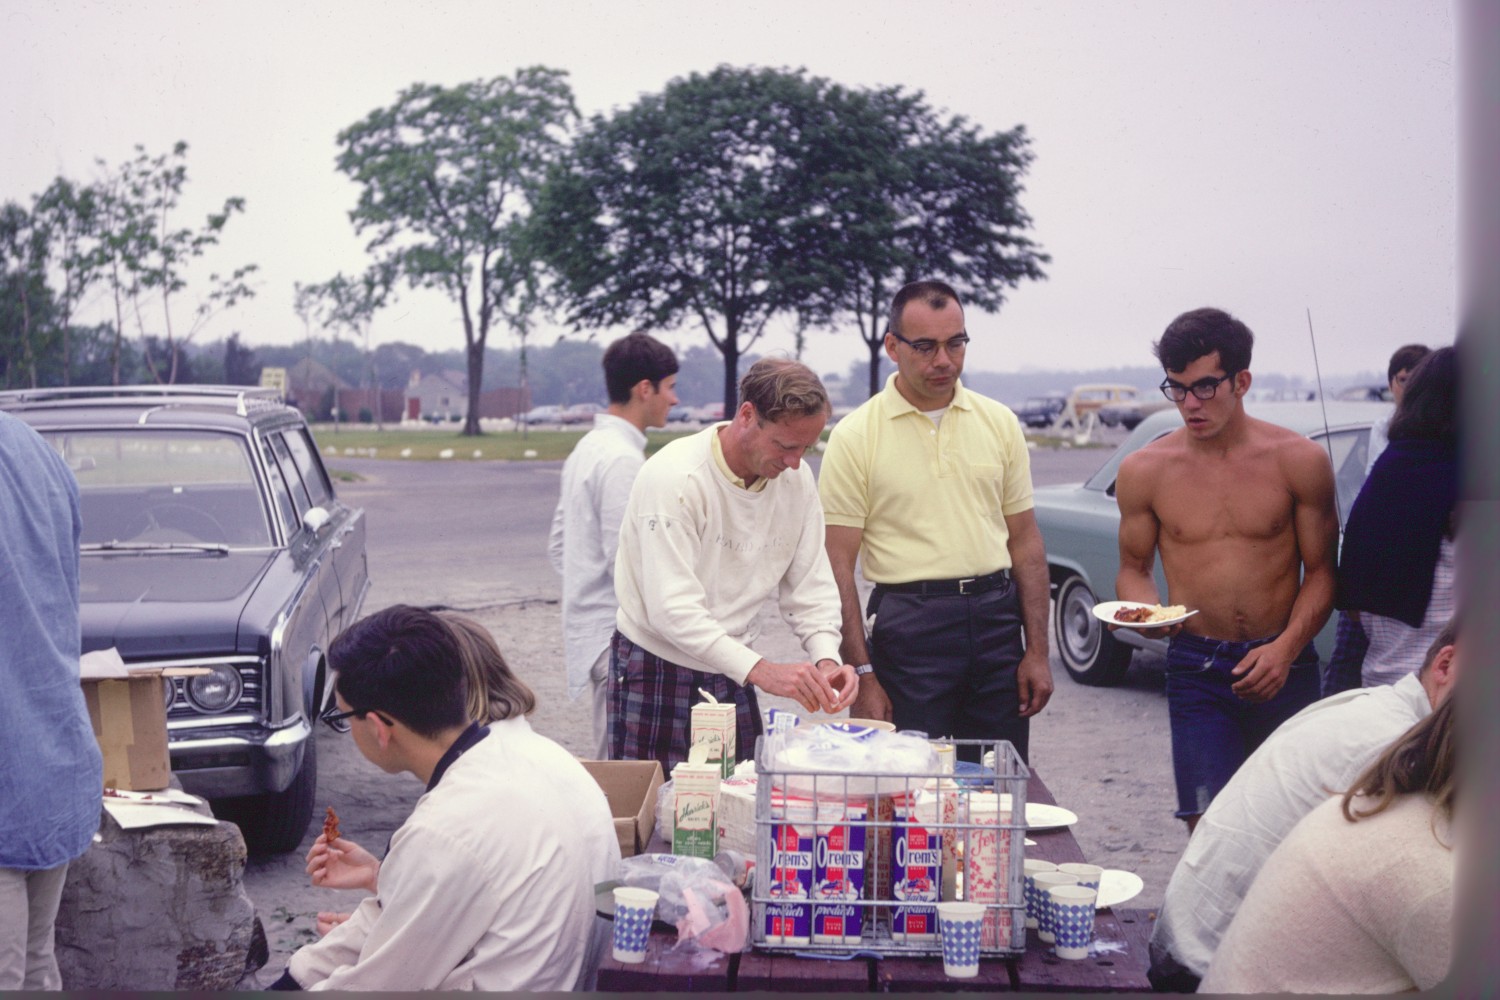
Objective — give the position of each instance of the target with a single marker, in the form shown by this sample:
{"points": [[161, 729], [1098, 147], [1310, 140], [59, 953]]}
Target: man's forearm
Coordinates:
{"points": [[1034, 591], [1310, 610]]}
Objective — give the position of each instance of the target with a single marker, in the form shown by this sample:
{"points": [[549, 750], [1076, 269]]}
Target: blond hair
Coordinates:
{"points": [[494, 692], [780, 387]]}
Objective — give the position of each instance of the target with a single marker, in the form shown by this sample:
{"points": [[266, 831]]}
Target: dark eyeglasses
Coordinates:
{"points": [[927, 348], [1204, 388], [339, 721]]}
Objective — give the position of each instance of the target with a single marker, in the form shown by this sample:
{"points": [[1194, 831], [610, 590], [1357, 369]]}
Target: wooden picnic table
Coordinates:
{"points": [[1119, 966]]}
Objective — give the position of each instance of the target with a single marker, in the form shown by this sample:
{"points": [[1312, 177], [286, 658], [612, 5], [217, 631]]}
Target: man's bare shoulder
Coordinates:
{"points": [[1154, 455]]}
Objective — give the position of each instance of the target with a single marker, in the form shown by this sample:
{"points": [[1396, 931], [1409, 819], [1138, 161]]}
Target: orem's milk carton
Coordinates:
{"points": [[839, 872], [695, 791], [916, 870], [713, 727], [789, 914]]}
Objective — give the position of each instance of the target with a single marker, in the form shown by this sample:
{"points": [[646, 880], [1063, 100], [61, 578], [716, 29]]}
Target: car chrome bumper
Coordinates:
{"points": [[226, 763]]}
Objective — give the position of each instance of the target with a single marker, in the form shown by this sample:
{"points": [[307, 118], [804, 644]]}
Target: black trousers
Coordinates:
{"points": [[948, 663]]}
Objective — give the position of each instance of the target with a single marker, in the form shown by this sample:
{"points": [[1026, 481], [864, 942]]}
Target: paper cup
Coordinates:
{"points": [[960, 924], [1087, 875], [1045, 881], [1072, 919], [1034, 901], [634, 908]]}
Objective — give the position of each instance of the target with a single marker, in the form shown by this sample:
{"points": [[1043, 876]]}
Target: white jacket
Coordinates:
{"points": [[488, 885]]}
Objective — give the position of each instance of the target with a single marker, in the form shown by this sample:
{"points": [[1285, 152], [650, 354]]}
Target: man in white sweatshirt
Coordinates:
{"points": [[640, 374], [489, 883], [717, 523]]}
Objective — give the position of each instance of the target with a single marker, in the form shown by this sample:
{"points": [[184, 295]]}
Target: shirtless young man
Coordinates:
{"points": [[1242, 512]]}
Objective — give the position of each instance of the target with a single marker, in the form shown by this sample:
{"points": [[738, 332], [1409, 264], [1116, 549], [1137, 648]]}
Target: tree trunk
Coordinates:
{"points": [[731, 352], [475, 357]]}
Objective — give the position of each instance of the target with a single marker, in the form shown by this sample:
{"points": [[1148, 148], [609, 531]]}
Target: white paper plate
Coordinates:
{"points": [[1045, 817], [1105, 612], [1116, 886]]}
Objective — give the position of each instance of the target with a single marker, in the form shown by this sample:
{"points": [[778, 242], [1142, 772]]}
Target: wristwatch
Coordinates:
{"points": [[864, 668]]}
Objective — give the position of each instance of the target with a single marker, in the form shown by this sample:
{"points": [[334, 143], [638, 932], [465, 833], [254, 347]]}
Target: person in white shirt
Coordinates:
{"points": [[640, 374], [489, 884], [1316, 753], [717, 523]]}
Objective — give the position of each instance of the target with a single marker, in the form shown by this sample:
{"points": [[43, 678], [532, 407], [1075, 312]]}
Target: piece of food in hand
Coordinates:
{"points": [[330, 826], [1132, 616]]}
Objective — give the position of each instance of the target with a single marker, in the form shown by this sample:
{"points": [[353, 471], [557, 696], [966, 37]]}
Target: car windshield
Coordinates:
{"points": [[155, 487]]}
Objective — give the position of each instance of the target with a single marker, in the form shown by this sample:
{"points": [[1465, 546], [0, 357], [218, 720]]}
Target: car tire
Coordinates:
{"points": [[1089, 653], [275, 823]]}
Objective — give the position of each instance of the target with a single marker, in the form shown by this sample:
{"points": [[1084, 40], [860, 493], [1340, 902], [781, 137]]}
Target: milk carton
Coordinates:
{"points": [[839, 873], [713, 727], [789, 914], [695, 791], [916, 871]]}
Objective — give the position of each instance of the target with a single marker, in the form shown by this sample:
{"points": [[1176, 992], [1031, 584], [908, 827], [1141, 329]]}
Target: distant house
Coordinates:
{"points": [[307, 386], [442, 396]]}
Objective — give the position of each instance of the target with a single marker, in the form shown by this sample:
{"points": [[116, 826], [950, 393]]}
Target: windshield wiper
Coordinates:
{"points": [[118, 546]]}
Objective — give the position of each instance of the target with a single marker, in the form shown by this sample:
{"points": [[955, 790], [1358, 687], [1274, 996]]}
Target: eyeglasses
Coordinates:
{"points": [[339, 721], [927, 348], [1204, 388]]}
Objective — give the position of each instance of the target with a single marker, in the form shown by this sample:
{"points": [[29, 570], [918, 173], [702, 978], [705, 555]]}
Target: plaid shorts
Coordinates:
{"points": [[651, 701]]}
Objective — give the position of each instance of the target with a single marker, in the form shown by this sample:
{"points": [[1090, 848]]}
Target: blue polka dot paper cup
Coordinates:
{"points": [[960, 925], [634, 908], [1072, 917], [1034, 901], [1045, 881], [1087, 875]]}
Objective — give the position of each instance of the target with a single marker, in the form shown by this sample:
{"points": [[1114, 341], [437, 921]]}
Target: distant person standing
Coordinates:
{"points": [[51, 770], [1396, 569], [930, 484], [717, 523], [1398, 371], [640, 374], [1242, 512]]}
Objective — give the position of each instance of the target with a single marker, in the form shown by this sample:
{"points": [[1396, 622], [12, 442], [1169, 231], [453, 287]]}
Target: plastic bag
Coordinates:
{"points": [[696, 896], [860, 753]]}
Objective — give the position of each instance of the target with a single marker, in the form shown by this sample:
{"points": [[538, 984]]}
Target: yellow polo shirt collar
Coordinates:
{"points": [[718, 452]]}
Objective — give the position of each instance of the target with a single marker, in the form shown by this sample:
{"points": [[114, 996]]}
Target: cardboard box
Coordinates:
{"points": [[631, 787], [128, 711]]}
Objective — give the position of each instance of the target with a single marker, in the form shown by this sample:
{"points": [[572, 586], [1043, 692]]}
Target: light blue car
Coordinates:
{"points": [[1081, 524]]}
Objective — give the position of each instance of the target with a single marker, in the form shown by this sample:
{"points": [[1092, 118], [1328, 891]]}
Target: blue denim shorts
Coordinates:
{"points": [[1213, 729]]}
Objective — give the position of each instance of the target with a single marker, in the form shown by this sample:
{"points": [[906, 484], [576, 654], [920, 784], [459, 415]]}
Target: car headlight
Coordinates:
{"points": [[215, 691]]}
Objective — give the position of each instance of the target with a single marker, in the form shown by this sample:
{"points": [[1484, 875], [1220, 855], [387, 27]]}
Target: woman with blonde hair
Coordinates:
{"points": [[1359, 896]]}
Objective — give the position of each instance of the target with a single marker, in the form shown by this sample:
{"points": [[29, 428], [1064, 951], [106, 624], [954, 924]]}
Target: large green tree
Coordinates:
{"points": [[447, 177], [681, 208], [909, 193], [25, 299]]}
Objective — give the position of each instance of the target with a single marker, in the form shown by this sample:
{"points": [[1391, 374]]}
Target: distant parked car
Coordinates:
{"points": [[212, 537], [581, 413], [1130, 412], [1081, 526], [1365, 393], [709, 412], [1041, 411], [679, 414], [546, 414]]}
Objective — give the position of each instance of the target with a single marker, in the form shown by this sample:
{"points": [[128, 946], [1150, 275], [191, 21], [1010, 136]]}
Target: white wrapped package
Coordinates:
{"points": [[863, 755]]}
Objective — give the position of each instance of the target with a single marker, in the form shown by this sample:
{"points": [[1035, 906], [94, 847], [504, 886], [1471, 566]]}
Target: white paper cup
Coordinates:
{"points": [[1071, 909], [1087, 875], [1044, 881], [634, 908], [1034, 900], [960, 925]]}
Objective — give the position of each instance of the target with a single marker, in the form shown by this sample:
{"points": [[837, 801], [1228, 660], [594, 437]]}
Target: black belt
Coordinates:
{"points": [[933, 588]]}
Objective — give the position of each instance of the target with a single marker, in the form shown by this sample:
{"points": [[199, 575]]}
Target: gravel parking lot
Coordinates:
{"points": [[472, 536]]}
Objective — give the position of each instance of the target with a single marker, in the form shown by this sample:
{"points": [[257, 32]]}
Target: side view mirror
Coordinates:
{"points": [[315, 518]]}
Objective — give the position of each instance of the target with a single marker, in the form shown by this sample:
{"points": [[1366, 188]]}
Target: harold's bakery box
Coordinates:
{"points": [[631, 787], [128, 711]]}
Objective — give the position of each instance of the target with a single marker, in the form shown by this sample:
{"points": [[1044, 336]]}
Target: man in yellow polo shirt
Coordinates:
{"points": [[931, 485]]}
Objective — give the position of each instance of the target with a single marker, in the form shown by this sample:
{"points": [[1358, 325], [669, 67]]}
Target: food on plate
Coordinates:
{"points": [[1145, 614], [330, 826]]}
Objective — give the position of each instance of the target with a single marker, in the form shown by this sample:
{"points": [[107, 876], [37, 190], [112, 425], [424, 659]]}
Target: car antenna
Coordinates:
{"points": [[1327, 434]]}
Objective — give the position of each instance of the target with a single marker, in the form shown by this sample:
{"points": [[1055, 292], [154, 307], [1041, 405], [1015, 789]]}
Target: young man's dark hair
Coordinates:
{"points": [[1429, 410], [1405, 359], [936, 294], [1201, 332], [404, 662], [632, 358]]}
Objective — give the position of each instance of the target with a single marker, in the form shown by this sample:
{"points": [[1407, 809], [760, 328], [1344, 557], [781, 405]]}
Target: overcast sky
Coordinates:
{"points": [[1267, 158]]}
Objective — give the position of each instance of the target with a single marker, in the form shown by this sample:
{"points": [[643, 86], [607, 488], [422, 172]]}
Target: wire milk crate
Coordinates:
{"points": [[857, 861]]}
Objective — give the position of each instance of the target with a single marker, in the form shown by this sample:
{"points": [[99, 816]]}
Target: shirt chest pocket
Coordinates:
{"points": [[986, 484]]}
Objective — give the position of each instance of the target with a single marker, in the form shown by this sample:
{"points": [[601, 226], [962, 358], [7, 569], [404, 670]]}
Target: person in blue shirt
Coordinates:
{"points": [[51, 771]]}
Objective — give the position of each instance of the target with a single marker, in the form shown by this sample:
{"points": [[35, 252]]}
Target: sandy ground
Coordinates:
{"points": [[1105, 753]]}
